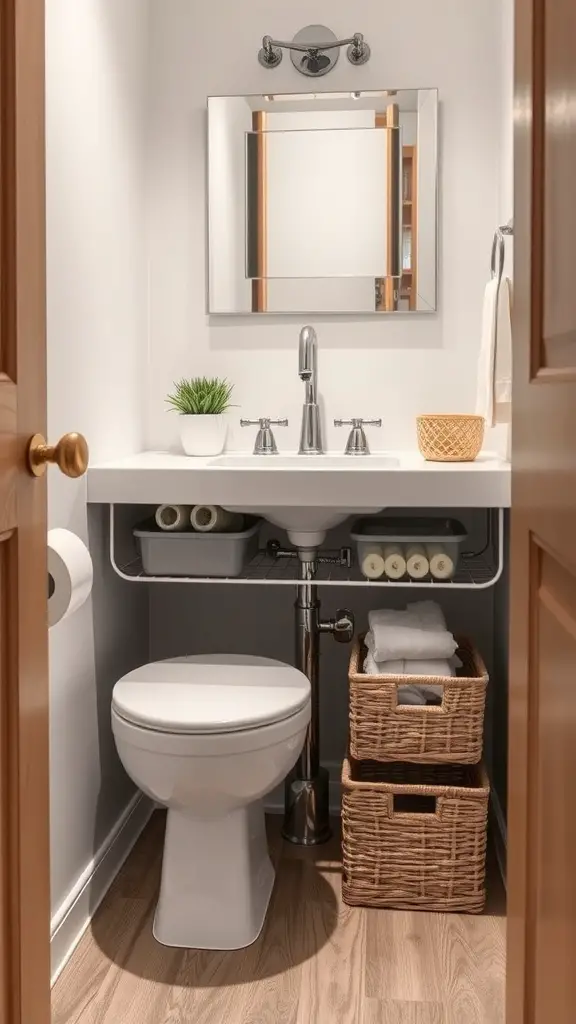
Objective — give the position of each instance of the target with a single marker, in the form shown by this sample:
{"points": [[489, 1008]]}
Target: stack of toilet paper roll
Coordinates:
{"points": [[200, 518], [414, 560]]}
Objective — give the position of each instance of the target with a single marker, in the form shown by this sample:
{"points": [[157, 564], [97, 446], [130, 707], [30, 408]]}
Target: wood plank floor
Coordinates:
{"points": [[316, 962]]}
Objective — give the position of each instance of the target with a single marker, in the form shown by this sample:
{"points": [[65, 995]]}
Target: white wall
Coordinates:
{"points": [[507, 125], [95, 72], [507, 121], [395, 366]]}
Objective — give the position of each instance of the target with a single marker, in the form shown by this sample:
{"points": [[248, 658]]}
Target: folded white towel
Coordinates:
{"points": [[428, 691], [423, 614], [370, 666], [392, 643], [494, 393], [406, 694], [409, 667], [417, 634], [414, 694], [411, 695]]}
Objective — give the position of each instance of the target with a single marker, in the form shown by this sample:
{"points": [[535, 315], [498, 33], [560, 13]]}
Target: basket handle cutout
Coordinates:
{"points": [[413, 803]]}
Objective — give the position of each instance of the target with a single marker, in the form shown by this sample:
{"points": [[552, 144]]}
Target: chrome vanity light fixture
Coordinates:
{"points": [[314, 50]]}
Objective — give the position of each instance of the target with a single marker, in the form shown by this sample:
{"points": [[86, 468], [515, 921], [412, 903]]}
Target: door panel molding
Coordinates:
{"points": [[24, 762], [553, 339], [541, 980]]}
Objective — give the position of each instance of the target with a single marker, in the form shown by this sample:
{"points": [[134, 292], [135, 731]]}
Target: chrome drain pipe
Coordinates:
{"points": [[307, 797]]}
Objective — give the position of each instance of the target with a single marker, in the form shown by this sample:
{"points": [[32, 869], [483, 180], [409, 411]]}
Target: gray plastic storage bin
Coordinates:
{"points": [[195, 554], [405, 530]]}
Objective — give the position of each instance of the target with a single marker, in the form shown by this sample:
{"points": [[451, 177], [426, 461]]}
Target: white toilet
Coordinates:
{"points": [[209, 736]]}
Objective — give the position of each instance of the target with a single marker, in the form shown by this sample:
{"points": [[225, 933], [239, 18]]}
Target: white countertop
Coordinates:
{"points": [[154, 477]]}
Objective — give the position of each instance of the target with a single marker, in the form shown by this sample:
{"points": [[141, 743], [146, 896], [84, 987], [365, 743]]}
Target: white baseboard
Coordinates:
{"points": [[73, 916], [274, 802], [500, 833]]}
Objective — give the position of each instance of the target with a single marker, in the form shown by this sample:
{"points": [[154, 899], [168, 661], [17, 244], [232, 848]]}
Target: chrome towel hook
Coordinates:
{"points": [[498, 256]]}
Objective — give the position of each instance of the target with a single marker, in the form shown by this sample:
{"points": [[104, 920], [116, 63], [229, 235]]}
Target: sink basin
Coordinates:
{"points": [[309, 463], [306, 525]]}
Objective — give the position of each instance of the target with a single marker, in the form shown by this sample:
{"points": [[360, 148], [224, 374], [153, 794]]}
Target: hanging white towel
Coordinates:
{"points": [[494, 394]]}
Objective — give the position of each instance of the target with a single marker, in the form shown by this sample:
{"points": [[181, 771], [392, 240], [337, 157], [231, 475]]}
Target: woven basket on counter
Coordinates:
{"points": [[451, 732], [414, 836], [450, 438]]}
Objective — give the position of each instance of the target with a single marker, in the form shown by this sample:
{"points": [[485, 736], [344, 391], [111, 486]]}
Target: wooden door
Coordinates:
{"points": [[542, 774], [24, 835]]}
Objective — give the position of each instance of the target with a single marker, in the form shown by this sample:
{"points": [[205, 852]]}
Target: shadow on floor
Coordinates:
{"points": [[306, 880]]}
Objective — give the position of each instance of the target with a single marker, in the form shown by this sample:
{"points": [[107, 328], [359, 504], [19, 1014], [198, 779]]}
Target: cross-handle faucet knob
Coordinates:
{"points": [[265, 443], [357, 443]]}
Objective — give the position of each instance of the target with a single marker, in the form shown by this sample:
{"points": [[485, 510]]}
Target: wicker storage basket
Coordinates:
{"points": [[383, 730], [450, 438], [414, 836]]}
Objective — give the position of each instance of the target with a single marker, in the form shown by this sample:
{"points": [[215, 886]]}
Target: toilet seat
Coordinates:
{"points": [[210, 695]]}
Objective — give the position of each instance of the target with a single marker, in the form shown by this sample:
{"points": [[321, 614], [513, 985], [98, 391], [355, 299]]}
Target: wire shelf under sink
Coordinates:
{"points": [[475, 572]]}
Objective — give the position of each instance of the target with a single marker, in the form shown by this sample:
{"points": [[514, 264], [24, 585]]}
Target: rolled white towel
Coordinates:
{"points": [[394, 642], [441, 667], [373, 564], [417, 563], [408, 667], [173, 518], [213, 519], [394, 562], [442, 565]]}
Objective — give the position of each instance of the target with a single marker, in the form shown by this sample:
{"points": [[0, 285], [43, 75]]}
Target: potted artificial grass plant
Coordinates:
{"points": [[202, 403]]}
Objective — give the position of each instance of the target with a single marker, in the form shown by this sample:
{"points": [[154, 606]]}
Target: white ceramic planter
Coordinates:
{"points": [[203, 435]]}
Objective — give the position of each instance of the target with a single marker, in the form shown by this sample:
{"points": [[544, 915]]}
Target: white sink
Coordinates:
{"points": [[329, 482], [306, 525], [309, 463]]}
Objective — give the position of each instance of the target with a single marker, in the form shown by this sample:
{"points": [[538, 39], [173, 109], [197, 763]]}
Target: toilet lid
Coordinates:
{"points": [[210, 693]]}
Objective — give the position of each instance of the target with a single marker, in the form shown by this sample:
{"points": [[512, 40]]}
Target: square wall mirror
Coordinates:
{"points": [[323, 202]]}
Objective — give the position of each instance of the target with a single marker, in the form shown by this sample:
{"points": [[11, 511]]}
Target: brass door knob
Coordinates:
{"points": [[70, 455]]}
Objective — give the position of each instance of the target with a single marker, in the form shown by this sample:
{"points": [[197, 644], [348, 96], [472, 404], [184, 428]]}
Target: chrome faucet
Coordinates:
{"points": [[311, 432]]}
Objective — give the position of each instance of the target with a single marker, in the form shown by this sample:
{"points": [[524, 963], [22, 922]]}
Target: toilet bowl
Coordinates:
{"points": [[208, 736]]}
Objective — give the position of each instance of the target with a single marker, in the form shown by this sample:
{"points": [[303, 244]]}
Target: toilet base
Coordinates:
{"points": [[217, 879]]}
